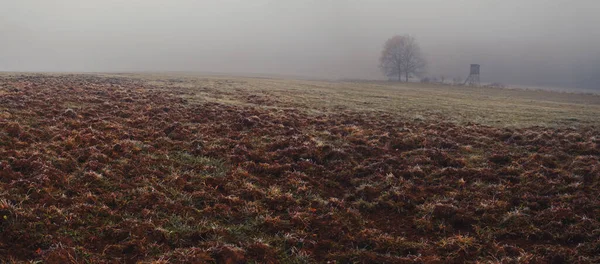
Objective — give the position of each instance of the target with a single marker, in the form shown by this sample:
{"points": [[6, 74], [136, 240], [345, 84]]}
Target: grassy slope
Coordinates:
{"points": [[182, 169], [489, 106]]}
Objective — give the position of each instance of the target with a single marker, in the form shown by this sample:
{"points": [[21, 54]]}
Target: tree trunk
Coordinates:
{"points": [[407, 76], [400, 76]]}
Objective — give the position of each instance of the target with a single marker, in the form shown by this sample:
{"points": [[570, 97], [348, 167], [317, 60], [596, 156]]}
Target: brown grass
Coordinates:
{"points": [[427, 102], [187, 169]]}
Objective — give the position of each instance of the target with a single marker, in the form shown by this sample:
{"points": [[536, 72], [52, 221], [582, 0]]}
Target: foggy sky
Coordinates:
{"points": [[530, 42]]}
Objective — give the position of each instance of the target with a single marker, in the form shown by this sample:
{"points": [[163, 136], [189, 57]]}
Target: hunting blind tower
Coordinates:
{"points": [[473, 79]]}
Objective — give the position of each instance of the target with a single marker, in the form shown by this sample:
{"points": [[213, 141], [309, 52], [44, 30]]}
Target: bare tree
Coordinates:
{"points": [[401, 56]]}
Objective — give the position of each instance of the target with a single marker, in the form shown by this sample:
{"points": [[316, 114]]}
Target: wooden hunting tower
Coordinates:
{"points": [[473, 79]]}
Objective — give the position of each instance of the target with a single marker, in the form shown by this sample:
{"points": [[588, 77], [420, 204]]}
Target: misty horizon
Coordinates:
{"points": [[532, 43]]}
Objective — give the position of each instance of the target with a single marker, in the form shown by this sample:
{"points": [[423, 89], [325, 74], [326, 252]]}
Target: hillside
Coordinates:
{"points": [[187, 169]]}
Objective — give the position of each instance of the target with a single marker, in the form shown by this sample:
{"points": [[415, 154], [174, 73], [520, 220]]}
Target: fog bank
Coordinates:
{"points": [[532, 42]]}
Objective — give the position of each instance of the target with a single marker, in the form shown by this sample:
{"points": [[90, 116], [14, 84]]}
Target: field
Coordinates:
{"points": [[177, 168]]}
